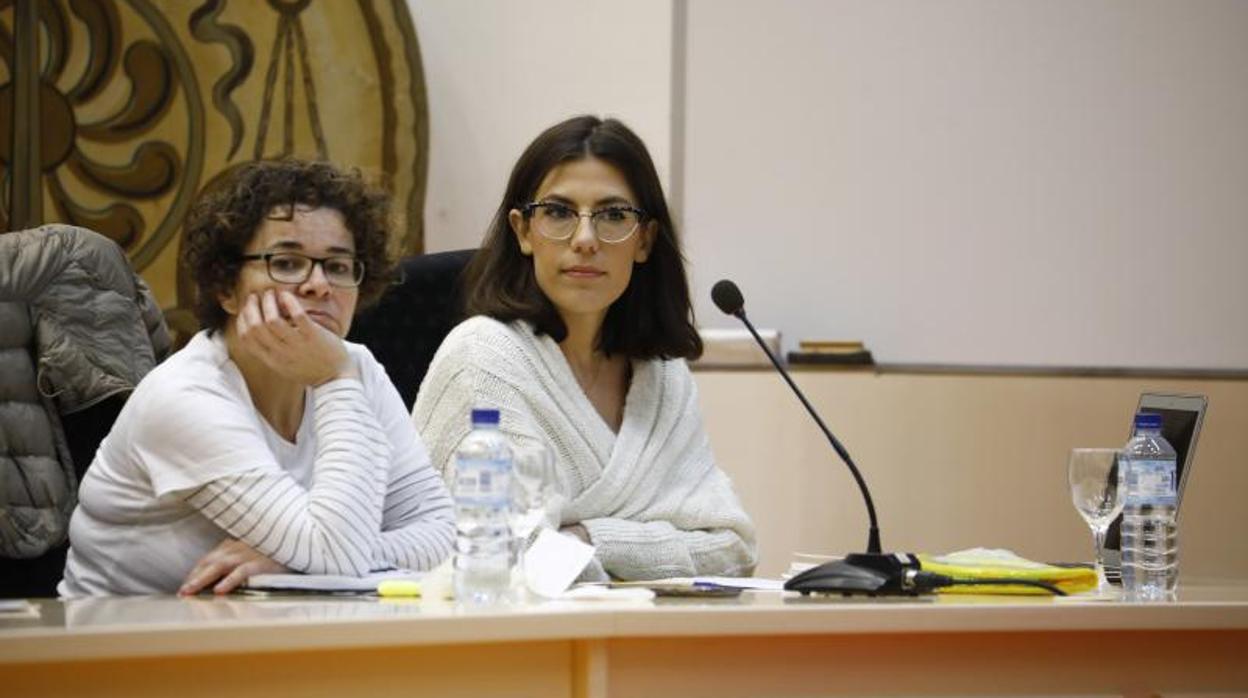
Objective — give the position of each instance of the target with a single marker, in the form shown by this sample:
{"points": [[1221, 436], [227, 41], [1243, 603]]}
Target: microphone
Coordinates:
{"points": [[727, 297], [872, 572]]}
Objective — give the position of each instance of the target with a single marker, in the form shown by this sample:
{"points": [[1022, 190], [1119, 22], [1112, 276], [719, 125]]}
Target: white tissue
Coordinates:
{"points": [[553, 562]]}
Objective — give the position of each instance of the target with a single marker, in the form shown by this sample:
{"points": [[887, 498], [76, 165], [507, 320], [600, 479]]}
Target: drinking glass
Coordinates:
{"points": [[532, 483], [1093, 475]]}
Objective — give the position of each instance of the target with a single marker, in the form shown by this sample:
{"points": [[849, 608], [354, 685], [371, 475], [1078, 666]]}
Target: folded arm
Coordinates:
{"points": [[333, 526], [418, 522], [710, 537]]}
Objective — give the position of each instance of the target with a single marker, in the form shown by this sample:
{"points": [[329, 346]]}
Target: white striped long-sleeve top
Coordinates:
{"points": [[190, 463]]}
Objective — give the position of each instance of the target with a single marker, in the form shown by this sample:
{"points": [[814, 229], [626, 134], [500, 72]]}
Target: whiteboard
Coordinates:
{"points": [[974, 181]]}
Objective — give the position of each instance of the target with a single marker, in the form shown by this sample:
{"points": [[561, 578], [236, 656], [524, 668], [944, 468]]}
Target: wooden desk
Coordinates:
{"points": [[760, 644]]}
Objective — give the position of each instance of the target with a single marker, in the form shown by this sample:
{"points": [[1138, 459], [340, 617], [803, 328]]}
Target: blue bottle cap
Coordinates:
{"points": [[485, 416], [1147, 420]]}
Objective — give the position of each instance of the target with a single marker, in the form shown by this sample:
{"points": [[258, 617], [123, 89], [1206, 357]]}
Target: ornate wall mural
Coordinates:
{"points": [[115, 113]]}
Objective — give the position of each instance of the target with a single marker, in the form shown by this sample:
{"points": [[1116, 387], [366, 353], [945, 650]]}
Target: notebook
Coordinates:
{"points": [[1181, 419], [327, 583]]}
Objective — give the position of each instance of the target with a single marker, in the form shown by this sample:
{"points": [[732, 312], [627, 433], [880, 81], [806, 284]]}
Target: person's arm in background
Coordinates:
{"points": [[418, 516]]}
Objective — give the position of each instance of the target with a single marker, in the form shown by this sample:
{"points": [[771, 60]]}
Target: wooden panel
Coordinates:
{"points": [[960, 461], [501, 669], [590, 670], [1132, 663]]}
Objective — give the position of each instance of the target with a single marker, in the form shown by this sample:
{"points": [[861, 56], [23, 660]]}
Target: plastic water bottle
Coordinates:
{"points": [[1150, 536], [483, 545]]}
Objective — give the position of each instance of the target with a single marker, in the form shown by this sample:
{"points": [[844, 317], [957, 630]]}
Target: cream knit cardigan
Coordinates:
{"points": [[653, 501]]}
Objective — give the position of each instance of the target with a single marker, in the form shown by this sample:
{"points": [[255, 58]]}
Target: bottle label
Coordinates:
{"points": [[1150, 482], [482, 482]]}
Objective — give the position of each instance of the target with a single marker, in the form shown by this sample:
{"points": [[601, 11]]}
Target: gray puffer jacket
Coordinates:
{"points": [[77, 325]]}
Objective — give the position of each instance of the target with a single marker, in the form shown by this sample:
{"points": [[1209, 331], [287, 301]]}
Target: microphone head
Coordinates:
{"points": [[727, 297]]}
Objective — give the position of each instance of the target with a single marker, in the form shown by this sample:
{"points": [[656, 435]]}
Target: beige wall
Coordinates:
{"points": [[956, 462], [498, 72]]}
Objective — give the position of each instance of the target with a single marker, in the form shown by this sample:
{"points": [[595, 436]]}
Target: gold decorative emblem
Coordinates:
{"points": [[114, 113]]}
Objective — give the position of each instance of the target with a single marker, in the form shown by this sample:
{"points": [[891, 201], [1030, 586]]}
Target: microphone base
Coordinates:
{"points": [[868, 574]]}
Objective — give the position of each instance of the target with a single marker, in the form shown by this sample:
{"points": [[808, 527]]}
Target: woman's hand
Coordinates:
{"points": [[577, 531], [228, 565], [274, 328]]}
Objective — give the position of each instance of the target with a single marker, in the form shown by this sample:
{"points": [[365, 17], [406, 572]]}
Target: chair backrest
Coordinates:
{"points": [[406, 327]]}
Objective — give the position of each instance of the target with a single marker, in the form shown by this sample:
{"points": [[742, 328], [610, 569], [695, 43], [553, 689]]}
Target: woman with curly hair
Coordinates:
{"points": [[267, 444]]}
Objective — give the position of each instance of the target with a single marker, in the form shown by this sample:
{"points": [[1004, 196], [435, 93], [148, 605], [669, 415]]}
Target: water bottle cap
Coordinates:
{"points": [[485, 416], [1147, 420]]}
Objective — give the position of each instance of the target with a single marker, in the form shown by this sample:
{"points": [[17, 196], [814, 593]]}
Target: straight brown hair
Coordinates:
{"points": [[653, 318]]}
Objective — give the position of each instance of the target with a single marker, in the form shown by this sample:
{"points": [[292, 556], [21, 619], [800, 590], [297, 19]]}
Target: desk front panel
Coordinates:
{"points": [[760, 644], [537, 668]]}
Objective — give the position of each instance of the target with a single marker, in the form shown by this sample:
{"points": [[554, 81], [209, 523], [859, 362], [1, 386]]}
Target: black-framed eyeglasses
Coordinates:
{"points": [[611, 224], [343, 271]]}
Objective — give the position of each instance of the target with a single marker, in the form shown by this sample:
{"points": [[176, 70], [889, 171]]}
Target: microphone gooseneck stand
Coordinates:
{"points": [[872, 572]]}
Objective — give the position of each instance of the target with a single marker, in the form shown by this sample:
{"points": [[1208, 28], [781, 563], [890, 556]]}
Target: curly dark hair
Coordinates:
{"points": [[231, 210]]}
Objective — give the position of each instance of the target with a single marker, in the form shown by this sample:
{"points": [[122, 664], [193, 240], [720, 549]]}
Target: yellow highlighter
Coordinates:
{"points": [[398, 588]]}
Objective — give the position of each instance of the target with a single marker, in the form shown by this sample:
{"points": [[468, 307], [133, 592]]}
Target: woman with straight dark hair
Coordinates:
{"points": [[579, 327]]}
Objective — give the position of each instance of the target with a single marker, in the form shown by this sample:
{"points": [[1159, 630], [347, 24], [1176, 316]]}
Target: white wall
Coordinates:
{"points": [[976, 181], [498, 72], [962, 181], [951, 181]]}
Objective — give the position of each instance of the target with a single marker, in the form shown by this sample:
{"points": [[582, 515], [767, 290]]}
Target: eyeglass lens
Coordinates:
{"points": [[609, 224], [289, 268]]}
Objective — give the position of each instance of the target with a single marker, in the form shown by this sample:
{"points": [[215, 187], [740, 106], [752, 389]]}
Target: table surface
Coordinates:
{"points": [[164, 626]]}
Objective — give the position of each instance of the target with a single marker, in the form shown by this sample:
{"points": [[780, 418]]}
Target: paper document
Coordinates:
{"points": [[593, 591], [18, 608], [804, 561], [328, 583], [967, 566], [756, 583]]}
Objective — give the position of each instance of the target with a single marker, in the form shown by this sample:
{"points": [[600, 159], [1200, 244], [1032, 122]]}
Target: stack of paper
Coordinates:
{"points": [[990, 564], [703, 586], [18, 608], [328, 583], [804, 561], [736, 347]]}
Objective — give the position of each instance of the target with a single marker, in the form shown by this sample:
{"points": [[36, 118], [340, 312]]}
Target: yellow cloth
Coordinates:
{"points": [[985, 563]]}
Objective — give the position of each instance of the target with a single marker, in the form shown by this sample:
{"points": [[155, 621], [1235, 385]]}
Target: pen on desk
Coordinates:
{"points": [[395, 588]]}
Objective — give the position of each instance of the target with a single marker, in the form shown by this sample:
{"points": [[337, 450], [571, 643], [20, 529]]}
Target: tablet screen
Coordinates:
{"points": [[1181, 416], [1178, 427]]}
